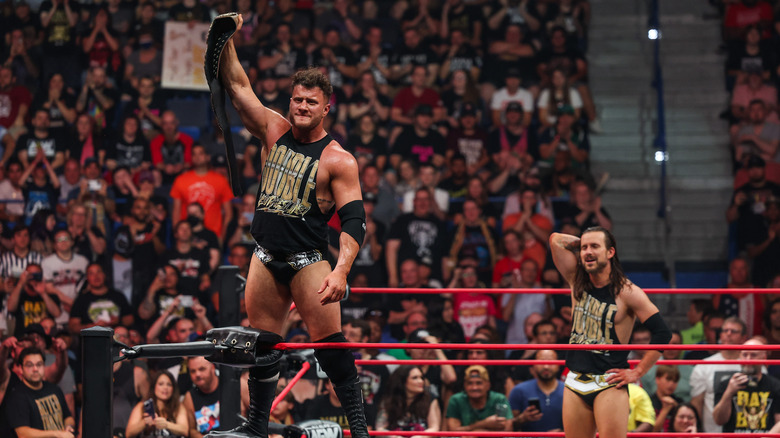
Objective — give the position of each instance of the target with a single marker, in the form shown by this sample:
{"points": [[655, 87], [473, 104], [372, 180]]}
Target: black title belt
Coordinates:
{"points": [[221, 30]]}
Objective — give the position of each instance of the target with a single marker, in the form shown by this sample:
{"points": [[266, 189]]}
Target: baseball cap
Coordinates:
{"points": [[423, 110], [477, 371], [468, 109], [418, 336], [755, 161], [37, 329], [514, 106]]}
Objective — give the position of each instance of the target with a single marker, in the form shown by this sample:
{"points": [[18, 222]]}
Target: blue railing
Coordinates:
{"points": [[658, 84]]}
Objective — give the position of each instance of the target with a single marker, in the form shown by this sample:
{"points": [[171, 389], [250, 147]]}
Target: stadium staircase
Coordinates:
{"points": [[698, 167]]}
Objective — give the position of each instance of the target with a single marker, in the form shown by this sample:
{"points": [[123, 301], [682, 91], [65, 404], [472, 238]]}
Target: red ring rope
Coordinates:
{"points": [[405, 433], [418, 290], [561, 362], [588, 347]]}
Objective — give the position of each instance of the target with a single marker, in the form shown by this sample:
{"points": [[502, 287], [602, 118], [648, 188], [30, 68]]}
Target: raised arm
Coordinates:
{"points": [[263, 123], [565, 252]]}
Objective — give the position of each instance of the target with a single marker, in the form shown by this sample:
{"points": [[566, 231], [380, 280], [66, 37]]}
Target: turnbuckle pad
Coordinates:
{"points": [[244, 347]]}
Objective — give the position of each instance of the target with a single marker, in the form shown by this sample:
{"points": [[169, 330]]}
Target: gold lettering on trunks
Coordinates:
{"points": [[592, 322], [283, 174]]}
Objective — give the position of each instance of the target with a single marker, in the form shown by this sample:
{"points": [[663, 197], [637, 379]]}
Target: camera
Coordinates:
{"points": [[36, 276]]}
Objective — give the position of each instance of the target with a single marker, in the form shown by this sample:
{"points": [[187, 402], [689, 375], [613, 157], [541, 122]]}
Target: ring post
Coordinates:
{"points": [[229, 377], [96, 348]]}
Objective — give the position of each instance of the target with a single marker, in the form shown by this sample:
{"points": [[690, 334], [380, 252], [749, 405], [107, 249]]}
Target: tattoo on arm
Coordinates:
{"points": [[325, 204]]}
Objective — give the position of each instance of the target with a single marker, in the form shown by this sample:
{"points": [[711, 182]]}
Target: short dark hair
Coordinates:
{"points": [[668, 370], [312, 77], [538, 325], [363, 325], [29, 351]]}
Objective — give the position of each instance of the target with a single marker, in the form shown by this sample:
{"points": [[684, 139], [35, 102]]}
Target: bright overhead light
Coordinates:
{"points": [[661, 156], [653, 34]]}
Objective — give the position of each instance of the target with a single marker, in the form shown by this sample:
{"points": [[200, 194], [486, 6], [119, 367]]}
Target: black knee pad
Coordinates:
{"points": [[338, 363]]}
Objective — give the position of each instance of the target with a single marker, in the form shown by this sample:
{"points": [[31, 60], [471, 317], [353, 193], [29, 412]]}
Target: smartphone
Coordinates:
{"points": [[36, 276], [149, 407], [534, 401], [93, 185], [186, 301]]}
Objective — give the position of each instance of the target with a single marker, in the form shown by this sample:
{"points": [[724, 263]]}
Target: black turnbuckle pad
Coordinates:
{"points": [[244, 347]]}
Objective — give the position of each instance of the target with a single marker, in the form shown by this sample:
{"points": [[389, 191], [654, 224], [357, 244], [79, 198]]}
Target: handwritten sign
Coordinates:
{"points": [[183, 54]]}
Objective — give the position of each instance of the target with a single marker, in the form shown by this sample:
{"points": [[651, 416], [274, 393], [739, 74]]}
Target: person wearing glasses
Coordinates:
{"points": [[705, 378], [33, 405]]}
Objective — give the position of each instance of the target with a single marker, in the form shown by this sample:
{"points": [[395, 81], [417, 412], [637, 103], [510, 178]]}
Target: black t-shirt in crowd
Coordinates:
{"points": [[42, 409], [753, 408], [412, 146], [36, 198], [31, 310], [91, 308], [421, 237], [191, 266], [156, 106], [129, 153], [50, 145], [371, 149], [206, 409]]}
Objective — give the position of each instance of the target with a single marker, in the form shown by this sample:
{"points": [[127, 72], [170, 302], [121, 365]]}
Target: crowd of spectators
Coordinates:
{"points": [[470, 122]]}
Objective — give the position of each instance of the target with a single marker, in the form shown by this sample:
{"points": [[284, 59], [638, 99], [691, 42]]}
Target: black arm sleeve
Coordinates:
{"points": [[353, 220], [659, 331]]}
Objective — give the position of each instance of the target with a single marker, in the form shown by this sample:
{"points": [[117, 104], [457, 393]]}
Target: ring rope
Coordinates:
{"points": [[405, 433], [420, 290], [467, 362], [451, 346]]}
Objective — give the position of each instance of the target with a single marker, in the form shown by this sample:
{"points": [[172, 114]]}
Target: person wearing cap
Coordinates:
{"points": [[205, 187], [512, 92], [749, 201], [469, 140], [509, 147], [419, 142], [477, 408], [564, 141], [757, 129]]}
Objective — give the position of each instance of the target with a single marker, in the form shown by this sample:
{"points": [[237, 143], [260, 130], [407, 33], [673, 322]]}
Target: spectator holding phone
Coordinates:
{"points": [[160, 415], [537, 404]]}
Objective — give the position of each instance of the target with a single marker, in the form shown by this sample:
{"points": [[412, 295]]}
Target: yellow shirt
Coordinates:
{"points": [[640, 407]]}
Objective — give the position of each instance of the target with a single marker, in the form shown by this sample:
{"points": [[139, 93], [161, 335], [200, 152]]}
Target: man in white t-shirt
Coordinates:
{"points": [[429, 179], [64, 270], [705, 378], [512, 92], [11, 196]]}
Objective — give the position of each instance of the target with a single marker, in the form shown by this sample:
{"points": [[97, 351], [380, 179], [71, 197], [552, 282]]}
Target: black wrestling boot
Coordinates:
{"points": [[261, 396], [351, 398]]}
